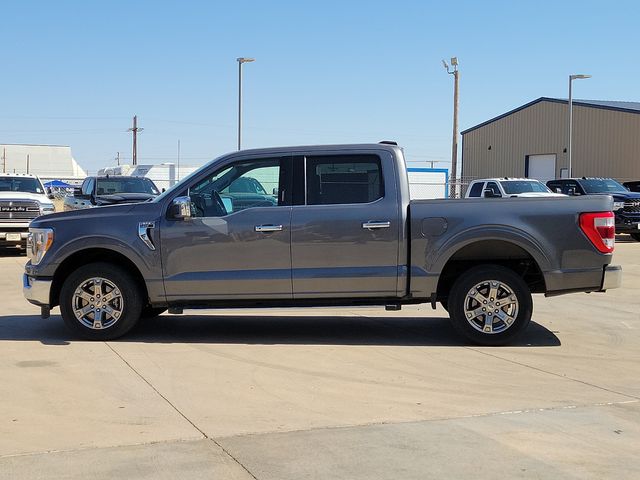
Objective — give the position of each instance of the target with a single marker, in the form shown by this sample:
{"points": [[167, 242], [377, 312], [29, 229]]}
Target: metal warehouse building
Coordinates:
{"points": [[47, 161], [531, 141]]}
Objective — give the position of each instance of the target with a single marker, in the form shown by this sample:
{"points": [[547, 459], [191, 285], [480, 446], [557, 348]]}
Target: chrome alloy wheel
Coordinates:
{"points": [[97, 303], [491, 307]]}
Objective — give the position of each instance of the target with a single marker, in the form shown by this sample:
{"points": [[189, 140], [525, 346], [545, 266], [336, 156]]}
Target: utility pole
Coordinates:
{"points": [[454, 146], [27, 164], [135, 129], [4, 160], [118, 158]]}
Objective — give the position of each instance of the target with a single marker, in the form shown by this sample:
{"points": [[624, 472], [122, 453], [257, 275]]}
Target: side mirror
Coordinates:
{"points": [[180, 208], [49, 193], [77, 191], [489, 193], [558, 190], [571, 191], [275, 192]]}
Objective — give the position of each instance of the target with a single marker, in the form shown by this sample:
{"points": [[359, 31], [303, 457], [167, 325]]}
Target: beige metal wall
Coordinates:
{"points": [[606, 143]]}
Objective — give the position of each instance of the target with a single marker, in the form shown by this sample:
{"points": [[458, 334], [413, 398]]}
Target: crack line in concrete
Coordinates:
{"points": [[178, 411], [524, 411], [515, 362]]}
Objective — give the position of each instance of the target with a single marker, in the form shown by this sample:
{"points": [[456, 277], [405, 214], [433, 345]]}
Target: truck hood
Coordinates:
{"points": [[101, 218], [36, 197], [123, 198], [622, 197]]}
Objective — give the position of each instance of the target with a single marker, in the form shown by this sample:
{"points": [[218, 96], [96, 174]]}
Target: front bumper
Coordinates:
{"points": [[37, 291], [626, 223], [4, 238], [612, 277]]}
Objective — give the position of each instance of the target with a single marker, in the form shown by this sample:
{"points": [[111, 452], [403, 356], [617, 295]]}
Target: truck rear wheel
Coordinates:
{"points": [[100, 301], [490, 305]]}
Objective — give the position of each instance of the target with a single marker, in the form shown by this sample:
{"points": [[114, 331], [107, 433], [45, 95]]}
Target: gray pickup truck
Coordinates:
{"points": [[339, 230]]}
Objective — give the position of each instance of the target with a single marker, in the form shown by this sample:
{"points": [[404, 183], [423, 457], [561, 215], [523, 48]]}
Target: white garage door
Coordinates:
{"points": [[542, 167]]}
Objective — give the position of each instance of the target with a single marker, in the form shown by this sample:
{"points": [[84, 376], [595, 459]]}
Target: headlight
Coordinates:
{"points": [[46, 208], [38, 242], [618, 205]]}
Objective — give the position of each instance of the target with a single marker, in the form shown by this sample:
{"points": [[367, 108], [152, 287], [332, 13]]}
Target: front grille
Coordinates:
{"points": [[632, 207], [18, 210]]}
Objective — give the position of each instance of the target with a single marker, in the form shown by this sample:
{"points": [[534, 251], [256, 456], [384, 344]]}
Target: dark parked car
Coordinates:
{"points": [[632, 186], [110, 190], [626, 204]]}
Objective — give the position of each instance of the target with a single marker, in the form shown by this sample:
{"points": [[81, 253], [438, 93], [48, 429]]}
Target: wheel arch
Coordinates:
{"points": [[92, 255], [523, 259]]}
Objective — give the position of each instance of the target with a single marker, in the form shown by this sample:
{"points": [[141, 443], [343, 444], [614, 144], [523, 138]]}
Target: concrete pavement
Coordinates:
{"points": [[324, 393]]}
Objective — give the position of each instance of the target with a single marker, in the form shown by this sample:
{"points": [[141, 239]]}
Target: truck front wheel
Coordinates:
{"points": [[100, 301], [490, 305]]}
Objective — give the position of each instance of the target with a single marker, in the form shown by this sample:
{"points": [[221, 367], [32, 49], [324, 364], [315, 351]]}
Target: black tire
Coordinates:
{"points": [[149, 312], [516, 313], [127, 308], [635, 236]]}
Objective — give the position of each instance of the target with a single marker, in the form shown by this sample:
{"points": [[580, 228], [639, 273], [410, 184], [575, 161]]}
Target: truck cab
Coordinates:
{"points": [[508, 187], [110, 190]]}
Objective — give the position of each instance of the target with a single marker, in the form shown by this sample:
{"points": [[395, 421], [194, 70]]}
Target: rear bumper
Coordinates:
{"points": [[612, 277], [600, 279], [37, 291]]}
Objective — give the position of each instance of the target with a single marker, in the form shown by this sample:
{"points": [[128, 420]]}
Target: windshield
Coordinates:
{"points": [[523, 186], [110, 186], [20, 184], [602, 185]]}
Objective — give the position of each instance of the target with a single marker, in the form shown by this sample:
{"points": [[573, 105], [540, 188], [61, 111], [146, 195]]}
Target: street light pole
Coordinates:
{"points": [[241, 60], [571, 79], [454, 145]]}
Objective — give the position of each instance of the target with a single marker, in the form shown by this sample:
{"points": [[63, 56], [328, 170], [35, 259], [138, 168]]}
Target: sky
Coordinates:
{"points": [[75, 72]]}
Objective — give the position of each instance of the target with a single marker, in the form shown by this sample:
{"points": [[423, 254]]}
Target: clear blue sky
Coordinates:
{"points": [[75, 72]]}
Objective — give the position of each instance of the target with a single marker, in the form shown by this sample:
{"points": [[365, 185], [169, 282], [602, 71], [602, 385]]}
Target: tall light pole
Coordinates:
{"points": [[241, 60], [454, 147], [571, 79]]}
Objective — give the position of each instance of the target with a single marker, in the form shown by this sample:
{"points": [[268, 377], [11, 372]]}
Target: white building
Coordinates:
{"points": [[49, 162]]}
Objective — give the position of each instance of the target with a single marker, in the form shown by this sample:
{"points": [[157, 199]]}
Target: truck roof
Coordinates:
{"points": [[20, 175], [323, 148], [506, 179]]}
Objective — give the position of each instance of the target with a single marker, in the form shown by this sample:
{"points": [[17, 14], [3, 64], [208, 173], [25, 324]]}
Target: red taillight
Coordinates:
{"points": [[600, 228]]}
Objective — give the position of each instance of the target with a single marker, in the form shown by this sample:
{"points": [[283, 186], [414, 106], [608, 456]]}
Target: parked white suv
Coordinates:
{"points": [[508, 187], [22, 198]]}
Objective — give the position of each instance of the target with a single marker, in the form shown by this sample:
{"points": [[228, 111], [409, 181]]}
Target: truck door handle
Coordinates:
{"points": [[268, 228], [374, 225]]}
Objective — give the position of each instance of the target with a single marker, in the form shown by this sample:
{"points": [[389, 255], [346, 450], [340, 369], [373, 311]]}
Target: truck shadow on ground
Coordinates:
{"points": [[273, 330]]}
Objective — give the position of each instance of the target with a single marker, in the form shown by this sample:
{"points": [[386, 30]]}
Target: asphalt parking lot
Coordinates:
{"points": [[324, 393]]}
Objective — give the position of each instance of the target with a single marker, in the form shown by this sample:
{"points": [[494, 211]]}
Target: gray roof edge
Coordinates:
{"points": [[580, 103]]}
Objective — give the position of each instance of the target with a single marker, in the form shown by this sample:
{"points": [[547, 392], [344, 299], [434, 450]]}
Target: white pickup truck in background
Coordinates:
{"points": [[22, 198], [509, 187]]}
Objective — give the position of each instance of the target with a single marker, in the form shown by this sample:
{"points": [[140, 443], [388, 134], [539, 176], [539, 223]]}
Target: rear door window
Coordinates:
{"points": [[343, 179], [476, 189]]}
